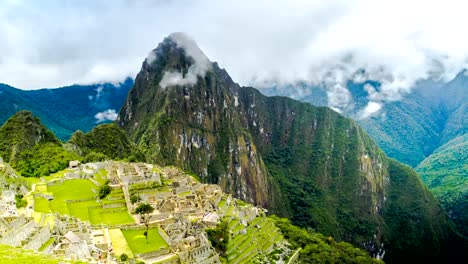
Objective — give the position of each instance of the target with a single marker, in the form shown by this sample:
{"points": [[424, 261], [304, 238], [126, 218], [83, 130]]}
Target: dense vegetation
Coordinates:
{"points": [[31, 148], [409, 129], [306, 163], [43, 160], [412, 213], [67, 109], [22, 132], [104, 190], [445, 172], [106, 141], [316, 248], [219, 237]]}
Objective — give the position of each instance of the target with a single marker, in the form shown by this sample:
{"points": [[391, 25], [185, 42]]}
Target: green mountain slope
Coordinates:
{"points": [[307, 163], [57, 107], [106, 139], [30, 147], [21, 132], [409, 129], [445, 172]]}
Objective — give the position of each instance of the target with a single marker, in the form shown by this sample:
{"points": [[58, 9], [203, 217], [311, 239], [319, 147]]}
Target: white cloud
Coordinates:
{"points": [[152, 56], [98, 92], [108, 115], [200, 65], [371, 109], [53, 43]]}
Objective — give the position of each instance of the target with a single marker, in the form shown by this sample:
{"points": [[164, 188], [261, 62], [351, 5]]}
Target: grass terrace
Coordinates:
{"points": [[138, 244], [11, 255], [54, 176], [119, 243], [113, 216], [101, 176], [261, 236], [77, 198]]}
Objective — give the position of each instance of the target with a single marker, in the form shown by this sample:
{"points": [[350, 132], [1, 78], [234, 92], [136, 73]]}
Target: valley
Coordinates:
{"points": [[198, 169]]}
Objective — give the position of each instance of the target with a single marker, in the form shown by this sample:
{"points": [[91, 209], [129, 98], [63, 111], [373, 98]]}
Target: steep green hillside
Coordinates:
{"points": [[11, 255], [409, 129], [30, 147], [21, 132], [316, 248], [445, 172], [304, 162], [108, 140], [67, 109]]}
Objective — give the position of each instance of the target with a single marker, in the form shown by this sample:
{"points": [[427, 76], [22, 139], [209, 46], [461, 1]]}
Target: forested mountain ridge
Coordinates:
{"points": [[67, 109], [307, 163], [445, 172], [410, 129]]}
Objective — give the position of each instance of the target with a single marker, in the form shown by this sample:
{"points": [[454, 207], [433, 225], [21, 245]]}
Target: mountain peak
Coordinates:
{"points": [[22, 131], [180, 60]]}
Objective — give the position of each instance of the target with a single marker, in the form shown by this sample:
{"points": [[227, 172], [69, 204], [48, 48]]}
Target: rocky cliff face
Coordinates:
{"points": [[304, 162], [195, 126]]}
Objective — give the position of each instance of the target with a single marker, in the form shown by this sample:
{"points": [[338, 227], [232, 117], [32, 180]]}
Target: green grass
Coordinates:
{"points": [[119, 243], [71, 190], [101, 176], [79, 189], [46, 244], [243, 248], [11, 255], [53, 176], [80, 209], [138, 243], [185, 193], [222, 203], [110, 216], [41, 205]]}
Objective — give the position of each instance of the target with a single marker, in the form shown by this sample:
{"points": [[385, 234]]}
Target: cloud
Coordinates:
{"points": [[152, 56], [261, 43], [108, 115], [98, 92], [200, 65], [371, 109]]}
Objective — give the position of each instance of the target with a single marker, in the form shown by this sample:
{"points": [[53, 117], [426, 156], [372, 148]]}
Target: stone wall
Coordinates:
{"points": [[38, 239], [113, 205], [154, 254], [211, 260], [15, 236]]}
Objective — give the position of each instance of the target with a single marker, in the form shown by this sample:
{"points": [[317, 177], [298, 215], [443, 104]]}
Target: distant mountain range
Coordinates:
{"points": [[67, 109], [410, 129], [427, 129]]}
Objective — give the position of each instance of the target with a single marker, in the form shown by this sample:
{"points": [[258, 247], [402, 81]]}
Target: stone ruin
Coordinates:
{"points": [[8, 204]]}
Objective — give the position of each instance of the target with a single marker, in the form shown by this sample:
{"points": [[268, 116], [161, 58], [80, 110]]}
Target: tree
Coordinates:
{"points": [[144, 210], [219, 237], [123, 257], [104, 190], [134, 198]]}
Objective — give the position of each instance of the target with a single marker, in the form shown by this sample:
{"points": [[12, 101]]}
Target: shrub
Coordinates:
{"points": [[104, 190]]}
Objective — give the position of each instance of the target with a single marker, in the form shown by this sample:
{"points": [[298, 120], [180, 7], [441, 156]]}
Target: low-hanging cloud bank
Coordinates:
{"points": [[108, 115], [261, 43]]}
